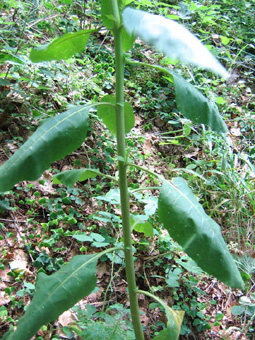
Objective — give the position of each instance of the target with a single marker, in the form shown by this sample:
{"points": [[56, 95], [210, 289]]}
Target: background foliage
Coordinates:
{"points": [[41, 222]]}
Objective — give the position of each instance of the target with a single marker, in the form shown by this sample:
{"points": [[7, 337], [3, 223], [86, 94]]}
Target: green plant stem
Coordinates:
{"points": [[145, 188], [153, 297], [123, 184], [246, 327], [155, 67], [146, 170]]}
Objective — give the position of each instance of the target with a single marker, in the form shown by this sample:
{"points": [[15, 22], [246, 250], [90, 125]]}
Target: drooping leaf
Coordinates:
{"points": [[199, 235], [54, 139], [172, 39], [196, 107], [191, 102], [61, 48], [55, 294], [70, 177], [174, 321], [108, 114], [4, 56]]}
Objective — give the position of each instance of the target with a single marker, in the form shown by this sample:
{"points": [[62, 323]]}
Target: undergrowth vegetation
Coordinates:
{"points": [[45, 223]]}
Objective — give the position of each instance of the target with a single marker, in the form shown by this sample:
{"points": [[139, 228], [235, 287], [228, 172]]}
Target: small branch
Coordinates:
{"points": [[46, 19], [146, 170], [246, 327], [144, 188]]}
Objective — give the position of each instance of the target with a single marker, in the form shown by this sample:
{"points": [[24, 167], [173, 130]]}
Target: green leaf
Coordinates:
{"points": [[112, 196], [55, 294], [174, 321], [106, 13], [139, 224], [53, 140], [70, 177], [174, 277], [238, 310], [83, 238], [224, 40], [174, 40], [200, 236], [124, 3], [127, 40], [10, 57], [4, 82], [174, 318], [97, 237], [61, 48], [194, 106], [108, 115]]}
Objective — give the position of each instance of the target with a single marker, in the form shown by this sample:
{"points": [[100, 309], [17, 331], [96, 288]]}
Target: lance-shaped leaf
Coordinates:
{"points": [[191, 102], [196, 107], [199, 235], [172, 39], [61, 48], [54, 139], [4, 56], [108, 114], [55, 294], [70, 177]]}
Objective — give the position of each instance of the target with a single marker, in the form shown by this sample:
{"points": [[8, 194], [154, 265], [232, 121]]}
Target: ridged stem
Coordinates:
{"points": [[123, 184]]}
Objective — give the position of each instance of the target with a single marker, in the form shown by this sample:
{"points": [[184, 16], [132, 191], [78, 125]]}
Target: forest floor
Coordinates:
{"points": [[24, 240], [38, 219]]}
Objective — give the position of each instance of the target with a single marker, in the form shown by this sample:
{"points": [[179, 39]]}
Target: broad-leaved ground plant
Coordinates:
{"points": [[178, 208]]}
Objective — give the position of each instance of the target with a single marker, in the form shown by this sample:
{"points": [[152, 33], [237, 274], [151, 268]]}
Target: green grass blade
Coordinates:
{"points": [[53, 140], [56, 293], [200, 236]]}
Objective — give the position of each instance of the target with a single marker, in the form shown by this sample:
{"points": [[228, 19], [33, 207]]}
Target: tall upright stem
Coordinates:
{"points": [[123, 185]]}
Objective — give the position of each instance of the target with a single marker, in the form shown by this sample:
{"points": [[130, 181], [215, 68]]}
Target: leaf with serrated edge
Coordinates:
{"points": [[199, 235]]}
